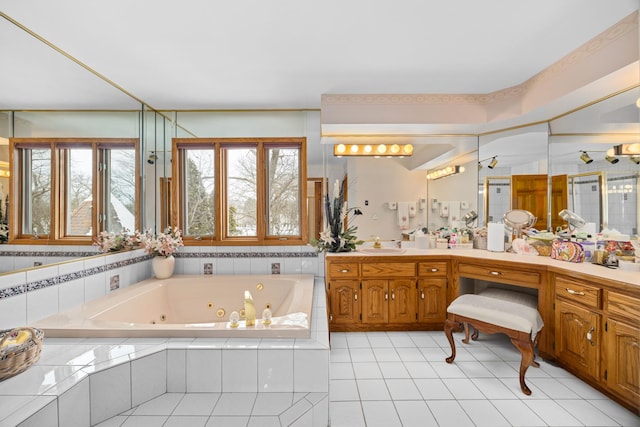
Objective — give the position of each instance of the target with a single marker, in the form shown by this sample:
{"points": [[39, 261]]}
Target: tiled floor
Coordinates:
{"points": [[401, 379]]}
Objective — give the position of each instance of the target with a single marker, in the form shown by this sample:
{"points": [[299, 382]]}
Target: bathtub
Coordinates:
{"points": [[192, 306]]}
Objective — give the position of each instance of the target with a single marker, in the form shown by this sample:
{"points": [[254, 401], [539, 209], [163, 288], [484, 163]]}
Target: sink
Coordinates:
{"points": [[382, 250]]}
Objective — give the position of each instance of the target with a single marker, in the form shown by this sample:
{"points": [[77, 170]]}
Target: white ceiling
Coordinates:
{"points": [[257, 54]]}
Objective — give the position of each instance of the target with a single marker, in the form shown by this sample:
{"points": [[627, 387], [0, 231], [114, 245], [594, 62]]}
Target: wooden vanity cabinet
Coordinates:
{"points": [[577, 325], [432, 292], [622, 346], [399, 293]]}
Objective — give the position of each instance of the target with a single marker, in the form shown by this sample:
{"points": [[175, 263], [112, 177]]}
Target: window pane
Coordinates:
{"points": [[200, 196], [120, 190], [36, 196], [241, 192], [283, 184], [79, 173]]}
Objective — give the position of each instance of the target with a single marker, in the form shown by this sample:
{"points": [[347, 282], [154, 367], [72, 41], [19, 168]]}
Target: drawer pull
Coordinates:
{"points": [[590, 336], [355, 296], [393, 295], [572, 292], [386, 296], [422, 294], [435, 270], [344, 270], [495, 273]]}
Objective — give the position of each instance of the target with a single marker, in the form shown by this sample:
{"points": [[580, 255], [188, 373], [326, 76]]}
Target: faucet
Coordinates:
{"points": [[249, 309]]}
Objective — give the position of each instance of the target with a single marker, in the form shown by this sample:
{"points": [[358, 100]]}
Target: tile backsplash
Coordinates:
{"points": [[32, 294]]}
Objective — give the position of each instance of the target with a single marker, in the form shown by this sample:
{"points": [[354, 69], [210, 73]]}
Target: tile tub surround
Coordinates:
{"points": [[30, 295], [86, 381]]}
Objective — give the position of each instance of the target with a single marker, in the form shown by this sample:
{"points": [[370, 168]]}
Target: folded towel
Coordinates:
{"points": [[412, 209], [454, 212], [403, 215]]}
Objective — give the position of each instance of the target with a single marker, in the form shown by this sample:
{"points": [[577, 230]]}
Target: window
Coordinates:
{"points": [[68, 190], [240, 190]]}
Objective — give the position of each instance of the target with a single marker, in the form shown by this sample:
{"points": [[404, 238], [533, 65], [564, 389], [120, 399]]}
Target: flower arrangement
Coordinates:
{"points": [[163, 244], [336, 238], [111, 242]]}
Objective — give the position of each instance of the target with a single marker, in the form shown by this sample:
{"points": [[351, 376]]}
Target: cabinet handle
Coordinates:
{"points": [[572, 292], [435, 270], [355, 296], [495, 273], [344, 270], [393, 295], [590, 336], [422, 293], [386, 296]]}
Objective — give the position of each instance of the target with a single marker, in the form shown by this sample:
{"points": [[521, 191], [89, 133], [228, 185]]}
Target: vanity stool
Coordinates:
{"points": [[495, 310]]}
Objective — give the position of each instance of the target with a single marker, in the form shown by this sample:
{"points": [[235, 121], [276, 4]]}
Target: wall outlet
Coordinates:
{"points": [[207, 268], [275, 268], [114, 282]]}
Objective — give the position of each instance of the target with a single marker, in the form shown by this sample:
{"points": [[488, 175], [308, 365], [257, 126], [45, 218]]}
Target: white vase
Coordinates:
{"points": [[163, 266]]}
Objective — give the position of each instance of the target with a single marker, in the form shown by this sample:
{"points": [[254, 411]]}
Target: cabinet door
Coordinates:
{"points": [[432, 300], [402, 301], [375, 297], [578, 338], [345, 301], [623, 360]]}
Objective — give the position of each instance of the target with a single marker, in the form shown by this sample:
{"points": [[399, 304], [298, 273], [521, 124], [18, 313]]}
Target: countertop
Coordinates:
{"points": [[596, 271]]}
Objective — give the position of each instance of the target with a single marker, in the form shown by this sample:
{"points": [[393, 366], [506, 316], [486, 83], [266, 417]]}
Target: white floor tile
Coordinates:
{"points": [[393, 370], [483, 413], [403, 389], [420, 370], [340, 355], [432, 388], [380, 414], [379, 340], [386, 354], [552, 413], [463, 388], [410, 354], [338, 340], [358, 341], [552, 388], [493, 388], [501, 369], [197, 404], [621, 415], [264, 421], [373, 390], [236, 404], [145, 421], [586, 413], [422, 339], [227, 421], [364, 370], [341, 371], [474, 369], [272, 403], [449, 413], [434, 354], [116, 421], [361, 355], [401, 339], [186, 421], [346, 414], [414, 413], [161, 405], [517, 413], [343, 390], [447, 370]]}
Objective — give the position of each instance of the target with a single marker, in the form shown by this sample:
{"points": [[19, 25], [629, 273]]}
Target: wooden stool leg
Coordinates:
{"points": [[449, 325], [466, 333], [526, 348], [535, 344]]}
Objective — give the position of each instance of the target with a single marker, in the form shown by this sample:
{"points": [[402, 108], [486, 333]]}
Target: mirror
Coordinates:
{"points": [[602, 190], [512, 174]]}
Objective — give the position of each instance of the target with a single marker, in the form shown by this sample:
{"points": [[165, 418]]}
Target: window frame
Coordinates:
{"points": [[59, 178], [221, 237]]}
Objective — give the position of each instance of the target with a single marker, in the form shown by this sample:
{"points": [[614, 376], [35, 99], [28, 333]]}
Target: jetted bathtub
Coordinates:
{"points": [[192, 306]]}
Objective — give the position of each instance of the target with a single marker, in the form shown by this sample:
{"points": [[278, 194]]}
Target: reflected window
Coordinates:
{"points": [[70, 190], [252, 184]]}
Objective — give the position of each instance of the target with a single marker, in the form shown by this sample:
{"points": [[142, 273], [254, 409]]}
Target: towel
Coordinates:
{"points": [[403, 215], [444, 209], [412, 209], [454, 212]]}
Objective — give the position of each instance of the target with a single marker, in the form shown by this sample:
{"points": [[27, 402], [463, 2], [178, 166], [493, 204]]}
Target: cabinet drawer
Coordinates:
{"points": [[432, 269], [579, 292], [337, 270], [623, 305], [393, 269], [500, 274]]}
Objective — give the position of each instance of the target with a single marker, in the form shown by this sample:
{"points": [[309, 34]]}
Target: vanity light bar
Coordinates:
{"points": [[448, 171], [373, 150], [626, 149]]}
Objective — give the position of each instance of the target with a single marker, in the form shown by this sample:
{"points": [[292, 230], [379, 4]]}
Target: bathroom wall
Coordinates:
{"points": [[461, 187], [32, 294]]}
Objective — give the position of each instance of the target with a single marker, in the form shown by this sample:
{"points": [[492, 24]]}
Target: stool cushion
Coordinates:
{"points": [[501, 309]]}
